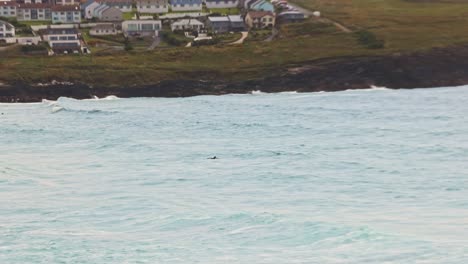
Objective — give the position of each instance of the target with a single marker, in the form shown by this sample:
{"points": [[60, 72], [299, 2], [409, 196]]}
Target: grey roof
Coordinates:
{"points": [[236, 18], [187, 22], [104, 26], [219, 19], [60, 31], [8, 25]]}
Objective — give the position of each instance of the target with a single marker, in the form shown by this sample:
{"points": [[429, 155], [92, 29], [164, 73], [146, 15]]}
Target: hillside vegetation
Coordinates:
{"points": [[405, 25], [380, 27]]}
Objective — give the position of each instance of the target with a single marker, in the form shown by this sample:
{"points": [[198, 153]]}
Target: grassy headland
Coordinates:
{"points": [[403, 27]]}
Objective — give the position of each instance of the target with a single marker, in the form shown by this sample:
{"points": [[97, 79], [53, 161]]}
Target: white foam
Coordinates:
{"points": [[107, 98], [57, 109], [256, 92]]}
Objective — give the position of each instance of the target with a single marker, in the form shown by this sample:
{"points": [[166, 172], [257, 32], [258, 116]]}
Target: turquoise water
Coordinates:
{"points": [[374, 176]]}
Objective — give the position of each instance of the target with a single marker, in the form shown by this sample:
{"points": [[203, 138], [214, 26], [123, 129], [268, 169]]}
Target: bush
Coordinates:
{"points": [[128, 45], [369, 40], [171, 39], [33, 48], [205, 42]]}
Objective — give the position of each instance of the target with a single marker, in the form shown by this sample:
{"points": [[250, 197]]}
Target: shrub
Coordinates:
{"points": [[205, 42], [369, 40], [128, 45], [171, 39]]}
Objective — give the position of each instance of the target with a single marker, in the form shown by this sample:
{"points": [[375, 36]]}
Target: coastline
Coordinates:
{"points": [[435, 68]]}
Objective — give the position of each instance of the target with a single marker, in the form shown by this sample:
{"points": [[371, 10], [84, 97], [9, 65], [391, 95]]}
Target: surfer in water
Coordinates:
{"points": [[213, 158]]}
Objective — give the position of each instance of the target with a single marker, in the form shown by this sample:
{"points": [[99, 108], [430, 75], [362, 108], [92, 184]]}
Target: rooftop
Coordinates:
{"points": [[33, 6], [104, 27], [219, 19], [188, 22], [8, 3], [60, 8], [235, 18], [59, 31], [259, 14], [8, 25]]}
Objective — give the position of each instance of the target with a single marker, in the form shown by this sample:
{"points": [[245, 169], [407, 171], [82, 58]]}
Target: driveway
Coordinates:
{"points": [[245, 34]]}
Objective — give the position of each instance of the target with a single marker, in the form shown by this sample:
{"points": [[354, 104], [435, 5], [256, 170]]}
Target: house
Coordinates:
{"points": [[8, 8], [219, 24], [152, 6], [62, 40], [260, 19], [50, 2], [66, 14], [138, 27], [122, 5], [262, 5], [186, 5], [31, 40], [111, 14], [87, 8], [222, 3], [67, 2], [187, 24], [34, 12], [103, 29], [107, 13], [291, 17], [236, 23], [7, 30]]}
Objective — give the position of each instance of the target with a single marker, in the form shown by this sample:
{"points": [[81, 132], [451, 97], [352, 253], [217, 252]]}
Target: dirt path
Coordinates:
{"points": [[245, 34], [155, 43], [325, 20]]}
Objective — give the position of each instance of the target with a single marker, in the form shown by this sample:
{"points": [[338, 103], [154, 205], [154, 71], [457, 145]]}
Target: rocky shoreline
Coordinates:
{"points": [[435, 68]]}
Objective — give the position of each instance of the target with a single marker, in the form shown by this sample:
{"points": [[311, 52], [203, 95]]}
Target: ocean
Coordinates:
{"points": [[369, 176]]}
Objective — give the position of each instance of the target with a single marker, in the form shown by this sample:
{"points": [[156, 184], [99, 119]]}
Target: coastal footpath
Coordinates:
{"points": [[435, 68]]}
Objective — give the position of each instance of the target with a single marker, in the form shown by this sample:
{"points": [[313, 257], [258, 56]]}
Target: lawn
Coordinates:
{"points": [[228, 37], [128, 15], [225, 11], [35, 23], [405, 25]]}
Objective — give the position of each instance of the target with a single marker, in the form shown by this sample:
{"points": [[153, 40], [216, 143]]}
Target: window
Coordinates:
{"points": [[53, 38], [62, 38]]}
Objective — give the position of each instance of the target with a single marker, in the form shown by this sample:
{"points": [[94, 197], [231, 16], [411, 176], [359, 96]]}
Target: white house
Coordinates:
{"points": [[33, 12], [8, 8], [222, 3], [186, 5], [67, 2], [7, 30], [62, 40], [66, 14], [103, 30], [187, 24], [130, 27], [152, 6], [89, 7]]}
